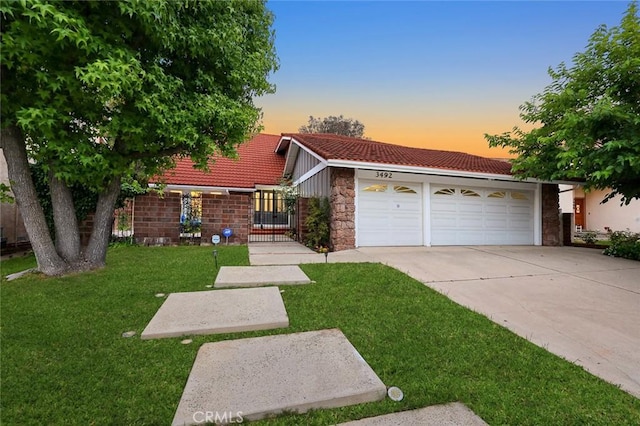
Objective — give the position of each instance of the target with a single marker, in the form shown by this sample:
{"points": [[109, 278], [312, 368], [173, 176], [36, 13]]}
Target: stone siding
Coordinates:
{"points": [[343, 209], [551, 227]]}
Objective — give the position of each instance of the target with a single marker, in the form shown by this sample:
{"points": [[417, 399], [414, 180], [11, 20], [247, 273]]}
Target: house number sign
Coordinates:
{"points": [[385, 175]]}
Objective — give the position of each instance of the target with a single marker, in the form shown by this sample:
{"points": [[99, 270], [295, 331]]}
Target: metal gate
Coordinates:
{"points": [[271, 222]]}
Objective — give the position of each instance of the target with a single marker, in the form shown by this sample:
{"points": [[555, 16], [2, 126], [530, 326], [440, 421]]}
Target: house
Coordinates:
{"points": [[235, 194], [591, 214], [389, 195], [380, 195]]}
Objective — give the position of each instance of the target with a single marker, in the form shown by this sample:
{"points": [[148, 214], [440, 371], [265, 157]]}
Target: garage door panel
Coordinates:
{"points": [[443, 209], [468, 207], [390, 217], [470, 222], [476, 216], [471, 238], [374, 205], [519, 224], [496, 222], [443, 222], [444, 237], [520, 237], [523, 210], [495, 208]]}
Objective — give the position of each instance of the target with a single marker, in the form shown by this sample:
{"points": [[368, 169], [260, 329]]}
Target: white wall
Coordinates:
{"points": [[611, 214], [566, 198]]}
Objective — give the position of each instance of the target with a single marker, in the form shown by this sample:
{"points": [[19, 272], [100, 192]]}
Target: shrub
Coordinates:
{"points": [[624, 244], [589, 237], [317, 223]]}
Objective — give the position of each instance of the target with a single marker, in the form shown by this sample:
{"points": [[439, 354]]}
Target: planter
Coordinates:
{"points": [[591, 246]]}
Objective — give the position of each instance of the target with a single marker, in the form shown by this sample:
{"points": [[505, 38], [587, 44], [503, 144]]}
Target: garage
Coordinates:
{"points": [[383, 194], [462, 215], [389, 213]]}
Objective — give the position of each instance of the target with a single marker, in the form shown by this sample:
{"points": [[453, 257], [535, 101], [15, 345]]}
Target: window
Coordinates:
{"points": [[469, 193], [376, 188], [403, 189], [445, 191], [519, 195], [497, 194]]}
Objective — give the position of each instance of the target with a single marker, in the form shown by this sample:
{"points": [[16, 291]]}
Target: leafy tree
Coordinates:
{"points": [[588, 117], [335, 125], [99, 92]]}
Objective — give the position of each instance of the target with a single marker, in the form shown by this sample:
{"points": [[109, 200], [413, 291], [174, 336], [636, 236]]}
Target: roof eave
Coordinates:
{"points": [[428, 171], [283, 144], [202, 188]]}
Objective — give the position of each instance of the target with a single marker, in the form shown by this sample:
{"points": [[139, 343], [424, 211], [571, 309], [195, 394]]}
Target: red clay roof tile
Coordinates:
{"points": [[257, 164], [337, 147]]}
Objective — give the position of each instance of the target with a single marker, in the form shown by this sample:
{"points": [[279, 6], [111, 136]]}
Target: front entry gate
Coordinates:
{"points": [[271, 220]]}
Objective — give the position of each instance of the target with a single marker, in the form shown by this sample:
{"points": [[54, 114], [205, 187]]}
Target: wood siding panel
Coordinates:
{"points": [[318, 184]]}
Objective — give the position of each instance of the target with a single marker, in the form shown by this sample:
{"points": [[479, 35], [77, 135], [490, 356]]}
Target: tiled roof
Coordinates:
{"points": [[257, 164], [336, 147]]}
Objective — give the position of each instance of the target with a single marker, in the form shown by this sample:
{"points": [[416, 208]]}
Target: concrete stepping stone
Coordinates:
{"points": [[256, 276], [258, 377], [218, 311], [452, 414]]}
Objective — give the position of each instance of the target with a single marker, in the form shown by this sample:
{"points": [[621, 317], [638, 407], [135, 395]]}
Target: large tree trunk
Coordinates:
{"points": [[96, 252], [65, 220], [15, 151]]}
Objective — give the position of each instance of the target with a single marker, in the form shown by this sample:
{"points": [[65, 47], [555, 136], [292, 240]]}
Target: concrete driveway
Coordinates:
{"points": [[575, 302]]}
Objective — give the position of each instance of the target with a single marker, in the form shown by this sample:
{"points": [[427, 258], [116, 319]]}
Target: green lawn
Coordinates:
{"points": [[63, 360]]}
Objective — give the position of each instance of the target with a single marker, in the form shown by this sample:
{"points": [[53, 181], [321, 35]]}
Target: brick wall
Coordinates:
{"points": [[343, 209], [226, 211], [157, 219], [550, 215]]}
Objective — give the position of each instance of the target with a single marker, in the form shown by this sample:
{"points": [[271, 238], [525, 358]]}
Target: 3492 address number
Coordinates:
{"points": [[385, 175]]}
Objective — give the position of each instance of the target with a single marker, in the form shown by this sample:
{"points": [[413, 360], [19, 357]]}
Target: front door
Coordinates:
{"points": [[578, 211]]}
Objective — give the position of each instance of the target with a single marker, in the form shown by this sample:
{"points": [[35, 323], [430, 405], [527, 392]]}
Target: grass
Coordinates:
{"points": [[64, 360]]}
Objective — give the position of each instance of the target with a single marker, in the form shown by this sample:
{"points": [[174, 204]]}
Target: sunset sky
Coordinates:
{"points": [[423, 73]]}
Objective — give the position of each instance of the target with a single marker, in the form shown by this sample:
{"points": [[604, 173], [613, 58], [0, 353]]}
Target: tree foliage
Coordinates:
{"points": [[96, 92], [335, 125], [588, 118]]}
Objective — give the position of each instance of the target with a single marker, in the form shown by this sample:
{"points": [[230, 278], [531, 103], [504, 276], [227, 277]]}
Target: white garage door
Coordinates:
{"points": [[480, 216], [389, 213]]}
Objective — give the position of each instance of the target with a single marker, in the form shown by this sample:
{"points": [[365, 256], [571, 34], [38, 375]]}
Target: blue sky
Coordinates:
{"points": [[422, 73]]}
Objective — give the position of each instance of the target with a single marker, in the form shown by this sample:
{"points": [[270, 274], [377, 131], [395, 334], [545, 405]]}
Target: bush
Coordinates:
{"points": [[589, 237], [317, 223], [624, 244]]}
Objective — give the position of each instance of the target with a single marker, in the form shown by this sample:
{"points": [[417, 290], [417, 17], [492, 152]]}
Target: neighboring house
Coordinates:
{"points": [[390, 195], [13, 234], [589, 213]]}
